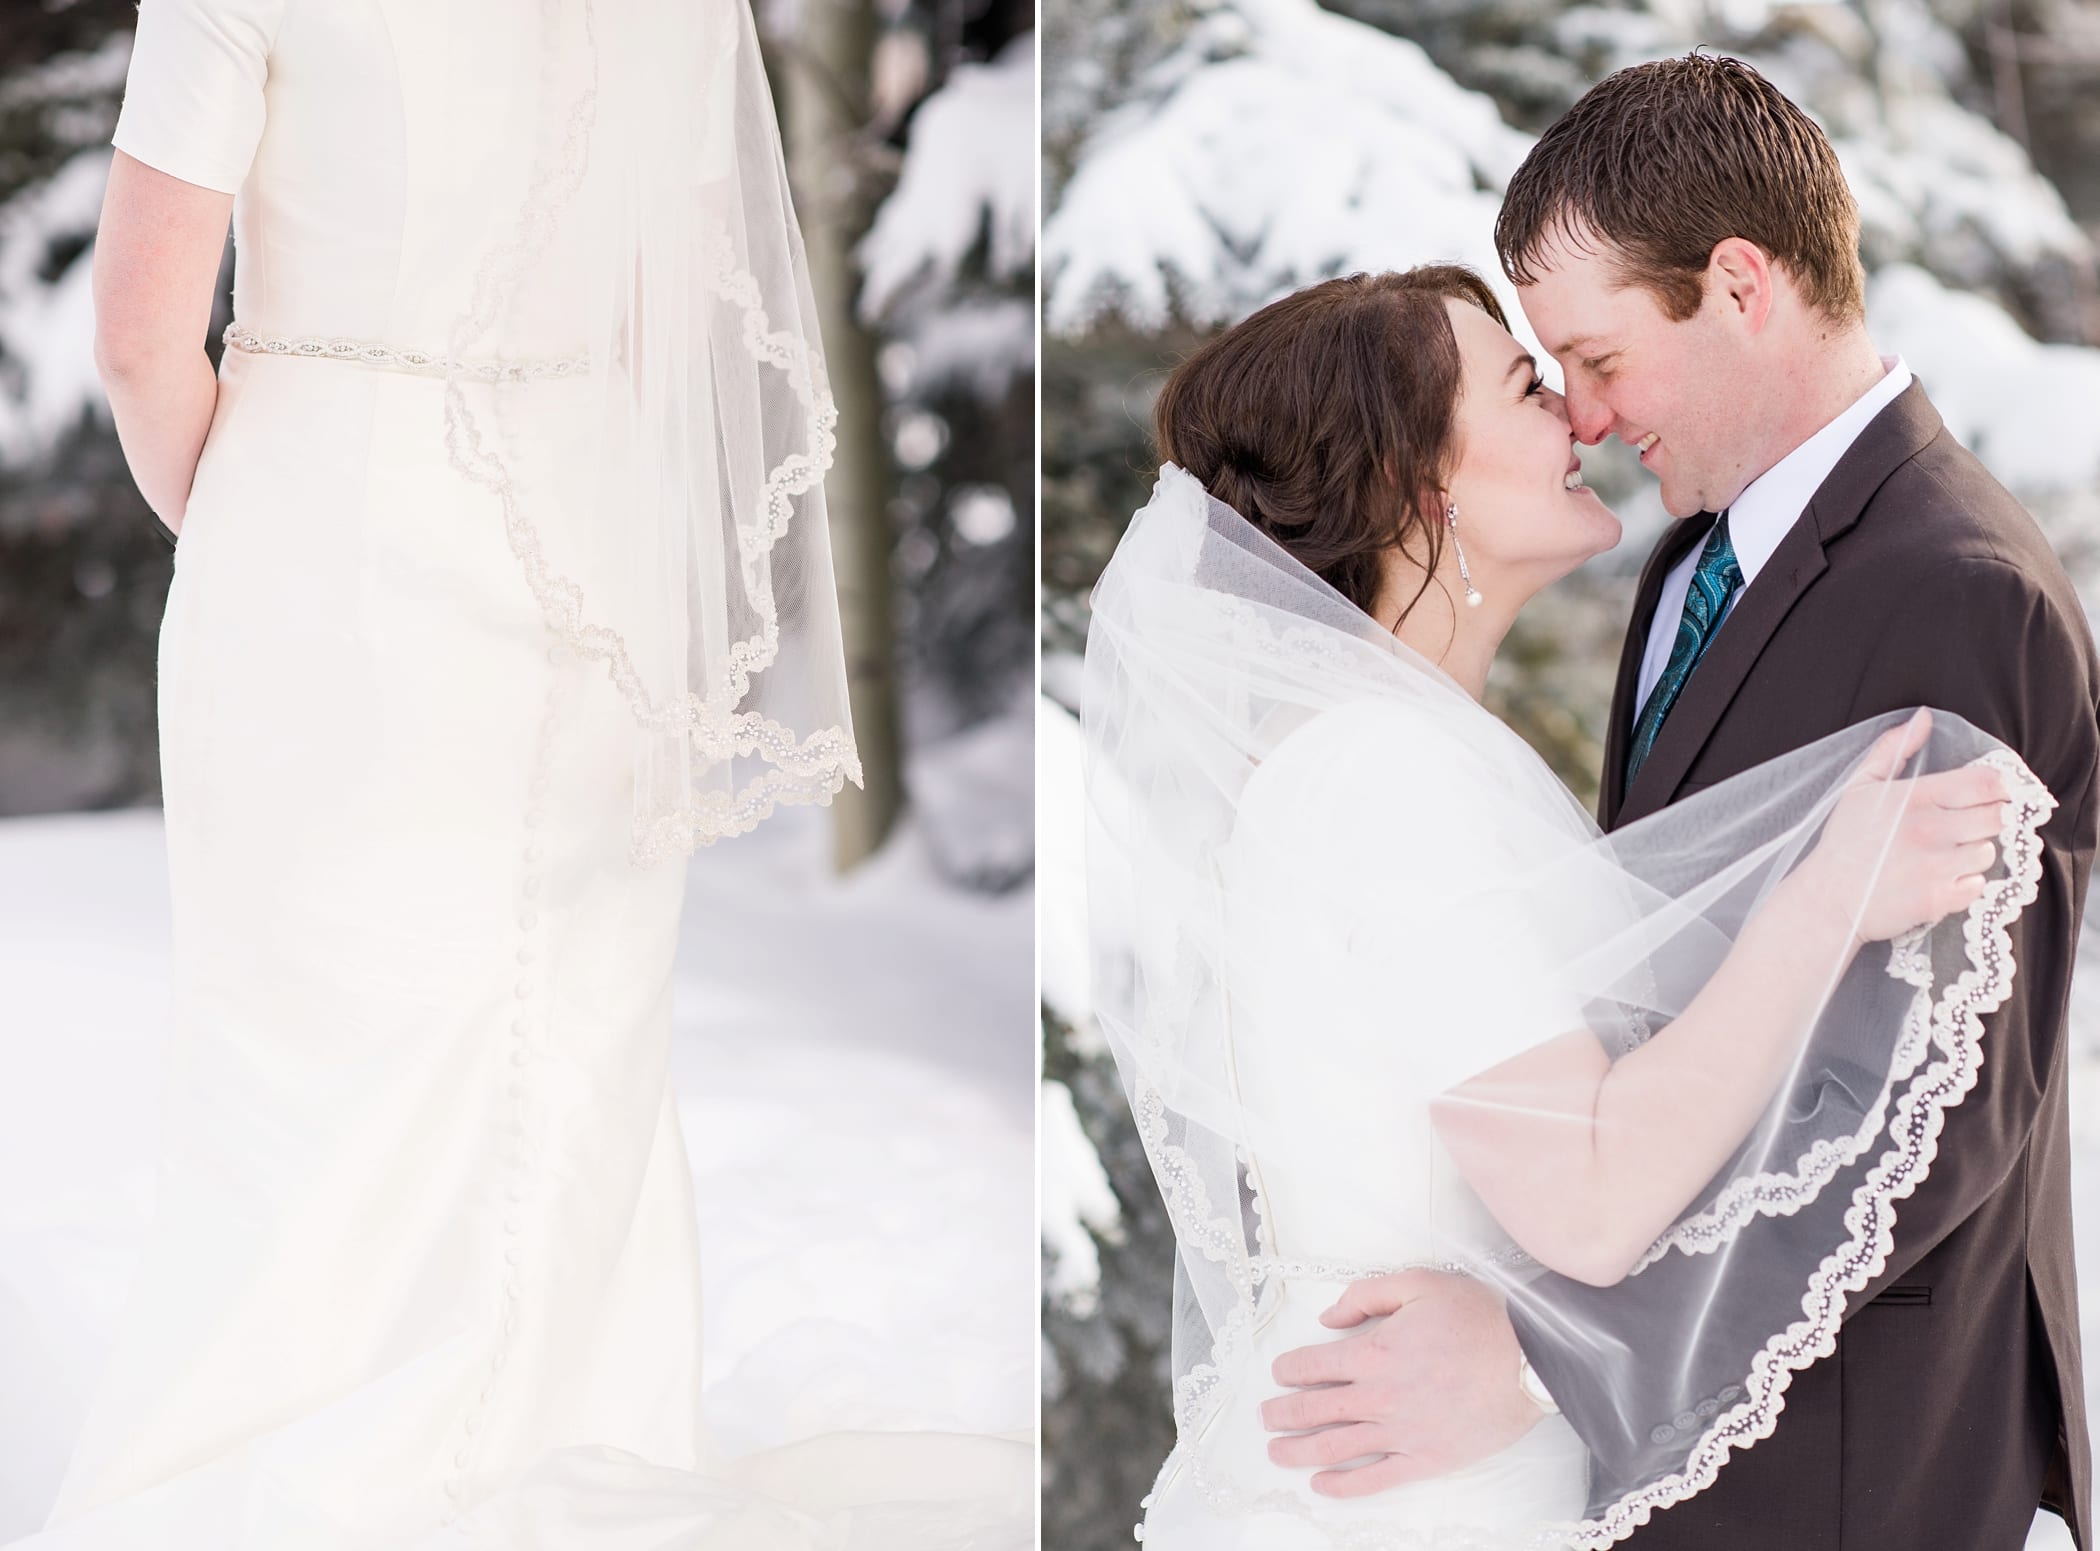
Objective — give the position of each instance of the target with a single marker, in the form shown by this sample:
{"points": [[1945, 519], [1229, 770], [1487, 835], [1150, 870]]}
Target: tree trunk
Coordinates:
{"points": [[822, 85]]}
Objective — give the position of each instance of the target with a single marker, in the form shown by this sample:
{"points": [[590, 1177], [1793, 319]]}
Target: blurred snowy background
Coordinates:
{"points": [[1204, 156], [863, 1145]]}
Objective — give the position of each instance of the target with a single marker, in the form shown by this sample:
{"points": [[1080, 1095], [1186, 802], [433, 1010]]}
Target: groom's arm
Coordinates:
{"points": [[1425, 1381]]}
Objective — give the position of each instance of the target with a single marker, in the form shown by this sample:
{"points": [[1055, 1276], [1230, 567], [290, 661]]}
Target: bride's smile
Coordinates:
{"points": [[1526, 517]]}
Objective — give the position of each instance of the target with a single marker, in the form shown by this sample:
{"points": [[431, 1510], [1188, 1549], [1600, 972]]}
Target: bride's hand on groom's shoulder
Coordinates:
{"points": [[1426, 1383]]}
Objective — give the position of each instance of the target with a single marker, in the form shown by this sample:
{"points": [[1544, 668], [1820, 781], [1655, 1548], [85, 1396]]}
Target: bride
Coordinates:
{"points": [[501, 585], [1382, 996]]}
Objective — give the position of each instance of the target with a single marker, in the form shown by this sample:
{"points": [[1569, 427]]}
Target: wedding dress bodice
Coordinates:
{"points": [[401, 142], [1351, 1016]]}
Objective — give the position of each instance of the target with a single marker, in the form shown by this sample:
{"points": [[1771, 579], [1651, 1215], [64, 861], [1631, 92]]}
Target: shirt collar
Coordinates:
{"points": [[1774, 501]]}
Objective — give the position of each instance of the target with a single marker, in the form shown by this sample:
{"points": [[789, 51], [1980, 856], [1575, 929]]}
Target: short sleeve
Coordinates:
{"points": [[1382, 807], [1405, 839], [193, 100]]}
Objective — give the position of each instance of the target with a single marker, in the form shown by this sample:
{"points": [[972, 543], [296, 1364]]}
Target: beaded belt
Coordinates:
{"points": [[1275, 1268], [1267, 1268], [423, 363]]}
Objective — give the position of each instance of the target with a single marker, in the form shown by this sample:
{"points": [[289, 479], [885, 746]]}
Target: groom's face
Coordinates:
{"points": [[1678, 393]]}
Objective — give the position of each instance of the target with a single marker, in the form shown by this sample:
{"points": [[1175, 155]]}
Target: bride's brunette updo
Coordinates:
{"points": [[1329, 418]]}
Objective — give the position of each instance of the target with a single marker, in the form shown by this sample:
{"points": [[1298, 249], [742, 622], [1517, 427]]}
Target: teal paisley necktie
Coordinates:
{"points": [[1714, 582]]}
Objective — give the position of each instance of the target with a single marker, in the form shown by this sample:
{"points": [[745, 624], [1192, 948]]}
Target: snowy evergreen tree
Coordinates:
{"points": [[82, 571], [926, 171]]}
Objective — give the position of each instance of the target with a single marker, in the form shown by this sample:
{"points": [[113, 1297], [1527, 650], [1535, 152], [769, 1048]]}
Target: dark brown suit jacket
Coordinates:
{"points": [[1954, 1402]]}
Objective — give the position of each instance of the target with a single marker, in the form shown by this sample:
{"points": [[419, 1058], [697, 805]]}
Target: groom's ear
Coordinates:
{"points": [[1740, 278]]}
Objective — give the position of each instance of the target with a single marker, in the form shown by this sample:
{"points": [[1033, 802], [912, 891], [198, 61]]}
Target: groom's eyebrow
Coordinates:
{"points": [[1579, 342]]}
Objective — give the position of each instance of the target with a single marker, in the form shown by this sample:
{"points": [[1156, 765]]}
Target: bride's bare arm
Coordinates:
{"points": [[1585, 1161], [156, 257]]}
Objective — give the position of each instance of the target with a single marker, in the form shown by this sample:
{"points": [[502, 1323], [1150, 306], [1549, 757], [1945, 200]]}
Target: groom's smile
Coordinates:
{"points": [[1676, 391]]}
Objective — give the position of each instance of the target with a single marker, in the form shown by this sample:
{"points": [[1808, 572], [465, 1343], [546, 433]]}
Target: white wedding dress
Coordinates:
{"points": [[1342, 1037], [425, 1264]]}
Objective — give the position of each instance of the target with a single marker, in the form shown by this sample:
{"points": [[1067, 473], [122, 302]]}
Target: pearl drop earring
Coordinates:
{"points": [[1464, 575]]}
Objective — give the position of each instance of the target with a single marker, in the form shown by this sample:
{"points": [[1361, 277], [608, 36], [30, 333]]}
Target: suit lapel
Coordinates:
{"points": [[1679, 538], [1891, 439]]}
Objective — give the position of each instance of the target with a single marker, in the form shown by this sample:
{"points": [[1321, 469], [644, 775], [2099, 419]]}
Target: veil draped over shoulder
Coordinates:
{"points": [[667, 503], [1486, 913], [667, 507]]}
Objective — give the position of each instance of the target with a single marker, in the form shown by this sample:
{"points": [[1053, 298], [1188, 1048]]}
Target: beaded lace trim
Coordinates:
{"points": [[807, 770], [1954, 1028], [1777, 1194], [397, 358], [1957, 1030], [810, 770]]}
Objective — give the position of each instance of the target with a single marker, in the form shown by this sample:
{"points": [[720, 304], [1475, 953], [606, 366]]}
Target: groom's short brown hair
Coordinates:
{"points": [[1664, 160]]}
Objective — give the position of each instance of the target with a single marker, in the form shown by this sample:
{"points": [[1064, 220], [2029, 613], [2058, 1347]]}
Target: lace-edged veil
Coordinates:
{"points": [[1210, 651], [665, 502]]}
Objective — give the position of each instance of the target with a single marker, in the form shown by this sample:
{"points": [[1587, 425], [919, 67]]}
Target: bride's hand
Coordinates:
{"points": [[1928, 863]]}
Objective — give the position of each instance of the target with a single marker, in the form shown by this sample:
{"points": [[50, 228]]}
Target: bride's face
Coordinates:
{"points": [[1521, 523]]}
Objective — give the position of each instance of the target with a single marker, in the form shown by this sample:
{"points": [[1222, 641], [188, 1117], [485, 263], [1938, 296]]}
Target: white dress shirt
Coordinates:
{"points": [[1760, 517]]}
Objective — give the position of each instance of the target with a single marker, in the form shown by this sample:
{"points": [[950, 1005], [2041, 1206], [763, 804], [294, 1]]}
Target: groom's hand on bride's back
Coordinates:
{"points": [[1426, 1384]]}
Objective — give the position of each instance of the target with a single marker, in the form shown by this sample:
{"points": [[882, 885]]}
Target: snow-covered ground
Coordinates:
{"points": [[855, 1083]]}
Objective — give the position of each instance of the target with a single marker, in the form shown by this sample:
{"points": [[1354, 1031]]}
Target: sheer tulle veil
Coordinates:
{"points": [[665, 497], [1210, 650]]}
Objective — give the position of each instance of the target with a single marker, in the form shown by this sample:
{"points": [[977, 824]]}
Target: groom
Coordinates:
{"points": [[1684, 244]]}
